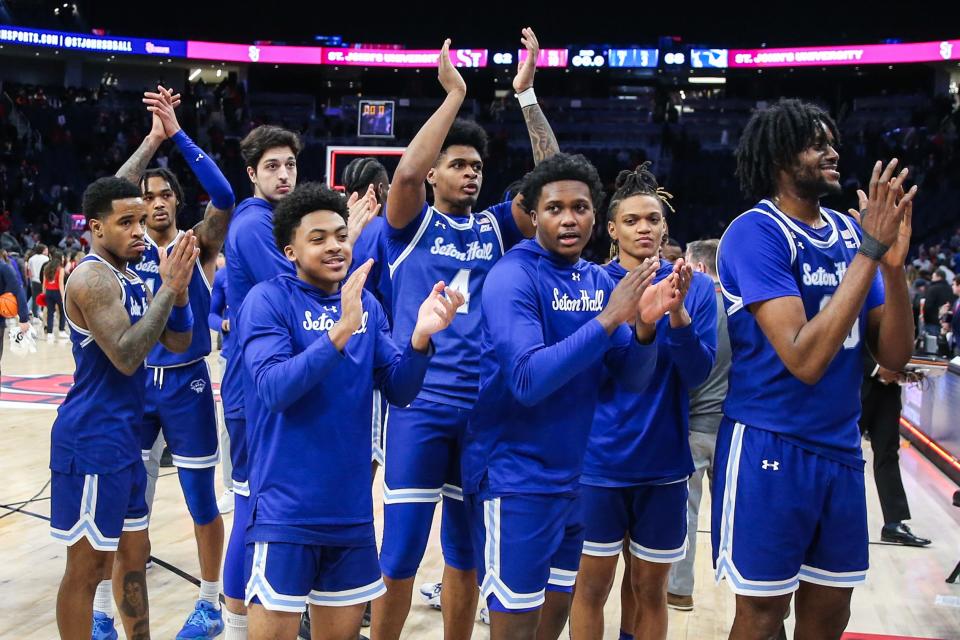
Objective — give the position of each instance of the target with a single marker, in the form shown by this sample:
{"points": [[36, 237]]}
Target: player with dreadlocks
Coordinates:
{"points": [[638, 457], [805, 290]]}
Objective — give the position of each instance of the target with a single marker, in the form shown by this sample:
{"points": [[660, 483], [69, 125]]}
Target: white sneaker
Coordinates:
{"points": [[225, 501], [64, 335], [485, 615], [50, 338], [430, 592]]}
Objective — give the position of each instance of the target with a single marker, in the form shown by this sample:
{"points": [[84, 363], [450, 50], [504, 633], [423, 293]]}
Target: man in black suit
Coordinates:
{"points": [[951, 318], [880, 421]]}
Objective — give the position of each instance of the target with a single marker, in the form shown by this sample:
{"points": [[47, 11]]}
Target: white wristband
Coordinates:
{"points": [[526, 98]]}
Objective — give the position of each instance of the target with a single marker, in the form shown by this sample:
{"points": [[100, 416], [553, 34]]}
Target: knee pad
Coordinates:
{"points": [[199, 493], [406, 529], [455, 540], [234, 570]]}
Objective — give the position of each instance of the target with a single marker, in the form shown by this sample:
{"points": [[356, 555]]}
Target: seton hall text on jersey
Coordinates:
{"points": [[585, 302], [823, 278], [324, 323], [147, 266], [475, 251]]}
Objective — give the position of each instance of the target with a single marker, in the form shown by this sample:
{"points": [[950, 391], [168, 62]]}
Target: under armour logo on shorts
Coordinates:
{"points": [[198, 385], [775, 465]]}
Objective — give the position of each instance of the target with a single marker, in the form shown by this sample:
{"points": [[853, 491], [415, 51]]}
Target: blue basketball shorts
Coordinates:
{"points": [[98, 507], [525, 545], [655, 516], [423, 443], [179, 402], [287, 577], [381, 413], [782, 513]]}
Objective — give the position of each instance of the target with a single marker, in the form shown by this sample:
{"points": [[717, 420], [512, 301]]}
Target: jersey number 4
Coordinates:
{"points": [[461, 283], [853, 338]]}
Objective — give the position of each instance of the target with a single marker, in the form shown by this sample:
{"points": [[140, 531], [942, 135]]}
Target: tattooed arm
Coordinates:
{"points": [[95, 301], [542, 139], [136, 164]]}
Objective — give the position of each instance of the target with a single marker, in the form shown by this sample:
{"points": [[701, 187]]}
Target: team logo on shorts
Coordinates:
{"points": [[198, 386], [771, 464]]}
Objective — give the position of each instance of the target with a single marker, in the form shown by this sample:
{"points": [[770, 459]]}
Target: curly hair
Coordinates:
{"points": [[467, 133], [302, 201], [772, 140], [99, 196], [561, 166]]}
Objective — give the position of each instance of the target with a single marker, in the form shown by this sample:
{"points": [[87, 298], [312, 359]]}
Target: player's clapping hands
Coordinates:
{"points": [[450, 78], [526, 69], [888, 213], [162, 105], [436, 313], [622, 306], [362, 211], [667, 296], [351, 306], [176, 270]]}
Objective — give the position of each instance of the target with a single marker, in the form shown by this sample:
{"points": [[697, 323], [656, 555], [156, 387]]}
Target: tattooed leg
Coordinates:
{"points": [[84, 570], [130, 584]]}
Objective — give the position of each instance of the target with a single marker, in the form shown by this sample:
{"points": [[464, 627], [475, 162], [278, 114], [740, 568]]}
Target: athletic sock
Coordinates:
{"points": [[235, 624], [210, 591], [103, 600], [625, 636]]}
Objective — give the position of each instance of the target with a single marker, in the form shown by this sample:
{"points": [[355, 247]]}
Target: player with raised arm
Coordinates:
{"points": [[556, 326], [315, 350], [446, 241], [638, 457], [805, 290], [98, 480], [179, 400]]}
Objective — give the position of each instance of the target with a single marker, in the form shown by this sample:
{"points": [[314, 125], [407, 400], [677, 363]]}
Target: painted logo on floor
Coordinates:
{"points": [[43, 391]]}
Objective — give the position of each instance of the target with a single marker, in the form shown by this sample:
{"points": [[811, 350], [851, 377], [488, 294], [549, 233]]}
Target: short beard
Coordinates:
{"points": [[813, 186]]}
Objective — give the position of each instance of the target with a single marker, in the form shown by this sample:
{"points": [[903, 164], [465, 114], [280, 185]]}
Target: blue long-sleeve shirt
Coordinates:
{"points": [[644, 438], [310, 427], [10, 283], [219, 311], [543, 357], [252, 257]]}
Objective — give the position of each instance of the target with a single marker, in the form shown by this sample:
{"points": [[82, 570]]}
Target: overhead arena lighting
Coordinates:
{"points": [[707, 80]]}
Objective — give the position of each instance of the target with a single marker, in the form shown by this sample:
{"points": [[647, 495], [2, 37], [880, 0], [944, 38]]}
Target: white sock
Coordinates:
{"points": [[235, 624], [210, 591], [103, 601]]}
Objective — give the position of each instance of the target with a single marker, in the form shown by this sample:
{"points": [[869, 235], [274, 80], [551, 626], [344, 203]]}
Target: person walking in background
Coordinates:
{"points": [[53, 292], [35, 267]]}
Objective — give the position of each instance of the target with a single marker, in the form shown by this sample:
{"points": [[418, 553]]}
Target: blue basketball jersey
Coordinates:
{"points": [[765, 254], [372, 243], [459, 251], [199, 292], [96, 426]]}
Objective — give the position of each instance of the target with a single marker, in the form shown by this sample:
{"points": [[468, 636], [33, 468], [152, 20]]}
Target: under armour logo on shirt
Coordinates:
{"points": [[198, 386], [775, 465], [576, 276], [439, 224]]}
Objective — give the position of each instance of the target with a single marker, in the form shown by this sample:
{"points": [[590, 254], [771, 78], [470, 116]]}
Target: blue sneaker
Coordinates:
{"points": [[103, 627], [206, 621]]}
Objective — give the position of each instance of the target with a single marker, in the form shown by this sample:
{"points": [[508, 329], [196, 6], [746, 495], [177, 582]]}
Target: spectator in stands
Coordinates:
{"points": [[35, 267], [938, 294]]}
